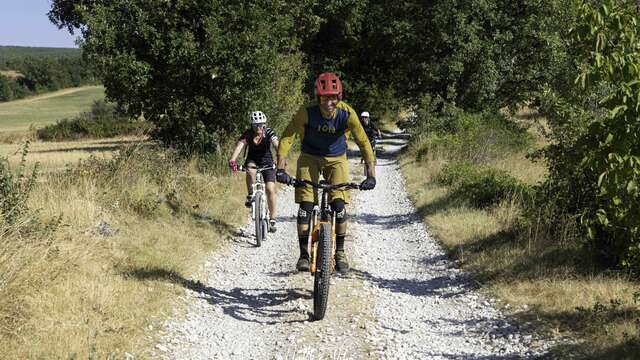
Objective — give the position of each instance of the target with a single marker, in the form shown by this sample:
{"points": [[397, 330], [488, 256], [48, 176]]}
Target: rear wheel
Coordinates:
{"points": [[259, 219], [322, 275]]}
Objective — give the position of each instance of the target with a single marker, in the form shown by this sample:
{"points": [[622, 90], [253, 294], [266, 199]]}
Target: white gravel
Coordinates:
{"points": [[403, 298]]}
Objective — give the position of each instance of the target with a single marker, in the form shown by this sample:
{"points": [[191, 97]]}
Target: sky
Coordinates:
{"points": [[25, 23]]}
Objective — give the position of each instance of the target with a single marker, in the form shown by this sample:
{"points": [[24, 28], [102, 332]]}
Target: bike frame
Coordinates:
{"points": [[258, 188], [322, 215], [320, 235], [259, 191]]}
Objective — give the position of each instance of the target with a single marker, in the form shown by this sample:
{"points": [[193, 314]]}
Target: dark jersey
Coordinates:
{"points": [[371, 129], [259, 153]]}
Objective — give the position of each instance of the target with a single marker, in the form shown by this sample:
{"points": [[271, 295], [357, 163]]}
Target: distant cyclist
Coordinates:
{"points": [[370, 127], [259, 139], [322, 128]]}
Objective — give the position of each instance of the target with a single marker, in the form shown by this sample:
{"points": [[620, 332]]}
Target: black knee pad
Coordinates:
{"points": [[304, 213], [337, 206]]}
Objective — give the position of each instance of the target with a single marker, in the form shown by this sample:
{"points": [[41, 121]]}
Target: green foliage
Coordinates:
{"points": [[595, 160], [15, 187], [194, 68], [10, 55], [478, 137], [476, 54], [6, 91], [41, 70], [103, 121], [39, 75], [482, 186], [48, 74]]}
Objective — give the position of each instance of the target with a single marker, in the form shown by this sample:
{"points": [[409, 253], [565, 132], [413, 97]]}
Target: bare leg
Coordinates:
{"points": [[271, 198], [251, 178]]}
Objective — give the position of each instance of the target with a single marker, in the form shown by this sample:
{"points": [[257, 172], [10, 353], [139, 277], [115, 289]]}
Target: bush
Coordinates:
{"points": [[15, 188], [482, 186], [477, 137], [102, 121], [594, 156]]}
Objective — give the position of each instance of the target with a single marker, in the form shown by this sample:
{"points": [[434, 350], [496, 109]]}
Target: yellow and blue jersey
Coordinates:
{"points": [[325, 134]]}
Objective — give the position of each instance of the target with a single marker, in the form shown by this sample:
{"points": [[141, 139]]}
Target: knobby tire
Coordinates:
{"points": [[258, 219], [322, 275]]}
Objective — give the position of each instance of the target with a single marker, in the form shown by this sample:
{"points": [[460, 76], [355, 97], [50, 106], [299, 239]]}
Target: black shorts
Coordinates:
{"points": [[267, 175]]}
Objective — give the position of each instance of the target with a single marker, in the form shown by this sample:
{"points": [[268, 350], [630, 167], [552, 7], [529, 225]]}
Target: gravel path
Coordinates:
{"points": [[403, 298]]}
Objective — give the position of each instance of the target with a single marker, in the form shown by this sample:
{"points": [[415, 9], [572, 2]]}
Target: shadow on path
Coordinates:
{"points": [[252, 304], [440, 286], [394, 220]]}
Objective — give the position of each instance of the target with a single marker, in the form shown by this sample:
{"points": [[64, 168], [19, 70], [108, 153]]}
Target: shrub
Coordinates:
{"points": [[594, 156], [477, 137], [102, 121], [482, 186], [15, 187]]}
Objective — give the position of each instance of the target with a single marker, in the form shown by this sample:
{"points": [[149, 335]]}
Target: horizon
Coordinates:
{"points": [[41, 47]]}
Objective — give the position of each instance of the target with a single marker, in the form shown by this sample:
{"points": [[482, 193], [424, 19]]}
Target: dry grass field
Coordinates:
{"points": [[57, 155], [84, 273], [84, 269]]}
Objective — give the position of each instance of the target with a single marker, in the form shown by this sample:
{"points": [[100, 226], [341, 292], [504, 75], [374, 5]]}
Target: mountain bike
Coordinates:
{"points": [[322, 248], [259, 208]]}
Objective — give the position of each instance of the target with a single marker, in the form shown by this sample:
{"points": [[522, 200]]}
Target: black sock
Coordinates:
{"points": [[340, 242], [303, 241]]}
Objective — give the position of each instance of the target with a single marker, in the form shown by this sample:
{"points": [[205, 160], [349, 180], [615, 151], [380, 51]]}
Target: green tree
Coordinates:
{"points": [[595, 159], [6, 91], [194, 68], [476, 54]]}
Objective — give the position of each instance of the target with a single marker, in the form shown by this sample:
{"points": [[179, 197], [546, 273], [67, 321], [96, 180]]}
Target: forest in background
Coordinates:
{"points": [[26, 71]]}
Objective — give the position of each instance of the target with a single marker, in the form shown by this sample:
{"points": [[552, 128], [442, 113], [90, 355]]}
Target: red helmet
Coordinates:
{"points": [[328, 84]]}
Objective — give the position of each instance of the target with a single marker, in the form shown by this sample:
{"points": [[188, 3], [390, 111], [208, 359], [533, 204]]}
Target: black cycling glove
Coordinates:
{"points": [[368, 184], [283, 177]]}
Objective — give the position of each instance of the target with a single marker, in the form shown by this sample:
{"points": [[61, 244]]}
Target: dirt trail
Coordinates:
{"points": [[403, 298], [52, 94]]}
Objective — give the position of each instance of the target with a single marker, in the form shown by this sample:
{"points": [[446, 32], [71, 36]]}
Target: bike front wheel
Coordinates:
{"points": [[259, 219], [322, 275]]}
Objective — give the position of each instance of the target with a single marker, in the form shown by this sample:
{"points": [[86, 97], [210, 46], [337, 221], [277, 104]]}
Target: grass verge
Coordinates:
{"points": [[543, 276], [21, 115], [53, 156], [118, 235]]}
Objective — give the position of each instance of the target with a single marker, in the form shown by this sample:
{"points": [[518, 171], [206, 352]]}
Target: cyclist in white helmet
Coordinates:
{"points": [[258, 139], [371, 129], [369, 126]]}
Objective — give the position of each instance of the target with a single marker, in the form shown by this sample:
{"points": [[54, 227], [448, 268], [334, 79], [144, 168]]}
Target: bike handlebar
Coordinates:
{"points": [[244, 168], [324, 185]]}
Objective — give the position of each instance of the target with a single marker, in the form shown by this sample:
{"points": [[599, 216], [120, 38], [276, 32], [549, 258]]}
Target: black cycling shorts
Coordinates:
{"points": [[267, 175]]}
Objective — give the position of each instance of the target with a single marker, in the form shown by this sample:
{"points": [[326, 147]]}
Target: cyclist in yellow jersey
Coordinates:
{"points": [[323, 128]]}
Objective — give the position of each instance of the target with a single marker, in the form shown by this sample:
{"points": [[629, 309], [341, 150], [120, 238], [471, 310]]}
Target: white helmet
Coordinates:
{"points": [[364, 114], [257, 117]]}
